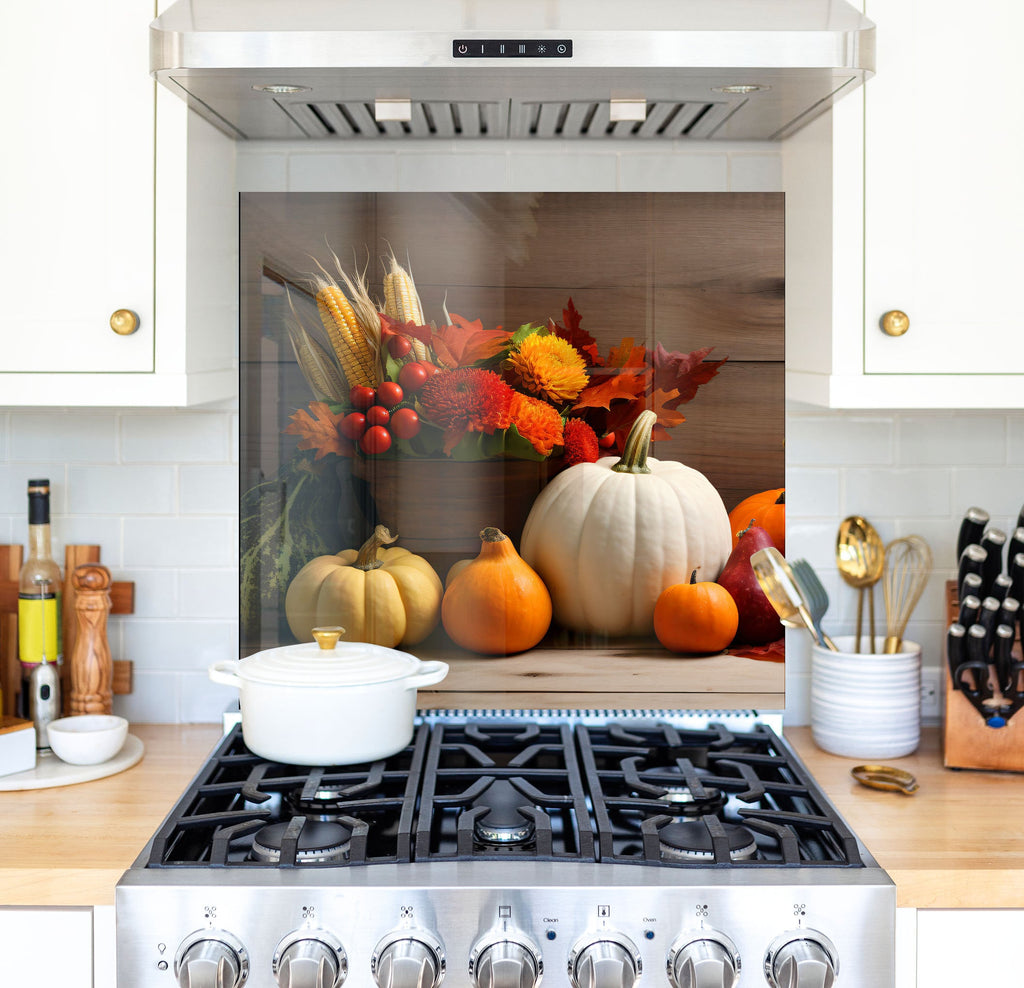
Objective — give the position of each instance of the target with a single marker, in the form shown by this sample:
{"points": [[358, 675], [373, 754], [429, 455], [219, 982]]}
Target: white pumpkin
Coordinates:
{"points": [[608, 537]]}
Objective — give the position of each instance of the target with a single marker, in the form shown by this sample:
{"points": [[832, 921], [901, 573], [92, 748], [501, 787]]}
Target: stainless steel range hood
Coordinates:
{"points": [[531, 69]]}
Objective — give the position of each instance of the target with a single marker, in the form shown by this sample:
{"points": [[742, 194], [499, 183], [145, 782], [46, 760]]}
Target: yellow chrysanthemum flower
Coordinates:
{"points": [[549, 367]]}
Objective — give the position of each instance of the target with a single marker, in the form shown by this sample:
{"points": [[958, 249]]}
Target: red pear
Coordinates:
{"points": [[759, 623]]}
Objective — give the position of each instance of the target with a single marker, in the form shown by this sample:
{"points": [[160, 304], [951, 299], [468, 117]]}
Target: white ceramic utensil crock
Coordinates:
{"points": [[327, 702]]}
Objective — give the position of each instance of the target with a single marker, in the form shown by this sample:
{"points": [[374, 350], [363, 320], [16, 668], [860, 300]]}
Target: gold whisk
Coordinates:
{"points": [[908, 562]]}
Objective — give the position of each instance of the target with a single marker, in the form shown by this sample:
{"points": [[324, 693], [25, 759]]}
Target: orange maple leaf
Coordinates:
{"points": [[628, 383], [627, 355], [465, 343], [320, 433]]}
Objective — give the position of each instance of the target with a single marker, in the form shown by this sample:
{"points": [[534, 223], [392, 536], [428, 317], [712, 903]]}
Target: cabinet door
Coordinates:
{"points": [[46, 948], [944, 211], [76, 202]]}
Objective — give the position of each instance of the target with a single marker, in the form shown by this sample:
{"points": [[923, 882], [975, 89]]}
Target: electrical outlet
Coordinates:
{"points": [[931, 694]]}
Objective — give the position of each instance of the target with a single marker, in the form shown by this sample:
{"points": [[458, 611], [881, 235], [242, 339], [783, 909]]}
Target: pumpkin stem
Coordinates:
{"points": [[367, 557], [781, 499], [693, 576], [492, 535], [637, 445]]}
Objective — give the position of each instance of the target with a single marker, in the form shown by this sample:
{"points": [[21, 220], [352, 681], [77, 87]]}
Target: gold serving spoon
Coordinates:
{"points": [[860, 558]]}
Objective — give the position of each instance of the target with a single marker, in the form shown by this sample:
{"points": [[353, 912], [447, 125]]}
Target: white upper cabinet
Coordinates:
{"points": [[97, 219], [922, 168]]}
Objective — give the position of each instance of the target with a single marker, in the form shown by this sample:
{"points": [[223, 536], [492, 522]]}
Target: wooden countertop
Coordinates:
{"points": [[957, 843]]}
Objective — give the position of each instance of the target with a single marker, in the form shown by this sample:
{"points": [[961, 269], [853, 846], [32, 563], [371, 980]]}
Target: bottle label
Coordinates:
{"points": [[39, 629]]}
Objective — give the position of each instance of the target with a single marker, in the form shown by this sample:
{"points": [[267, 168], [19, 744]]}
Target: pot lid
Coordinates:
{"points": [[328, 662]]}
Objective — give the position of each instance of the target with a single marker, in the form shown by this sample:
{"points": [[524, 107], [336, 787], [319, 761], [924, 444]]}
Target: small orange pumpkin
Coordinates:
{"points": [[695, 617], [767, 510], [495, 604]]}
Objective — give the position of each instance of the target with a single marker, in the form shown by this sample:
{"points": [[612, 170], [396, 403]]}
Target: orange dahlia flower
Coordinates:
{"points": [[538, 423], [548, 367], [467, 399]]}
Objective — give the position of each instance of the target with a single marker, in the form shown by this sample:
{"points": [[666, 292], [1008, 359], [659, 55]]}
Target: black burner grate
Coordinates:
{"points": [[635, 792]]}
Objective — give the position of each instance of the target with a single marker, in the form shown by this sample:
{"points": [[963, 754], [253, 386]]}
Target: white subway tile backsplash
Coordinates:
{"points": [[211, 593], [209, 490], [179, 542], [86, 529], [156, 593], [179, 645], [670, 172], [468, 172], [755, 172], [178, 437], [75, 437], [834, 439], [999, 490], [567, 172], [154, 699], [813, 491], [927, 439], [202, 700], [263, 172], [342, 172], [14, 478], [897, 492], [121, 490]]}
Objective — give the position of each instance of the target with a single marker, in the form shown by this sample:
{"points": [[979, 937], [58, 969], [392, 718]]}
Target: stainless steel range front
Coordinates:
{"points": [[588, 850]]}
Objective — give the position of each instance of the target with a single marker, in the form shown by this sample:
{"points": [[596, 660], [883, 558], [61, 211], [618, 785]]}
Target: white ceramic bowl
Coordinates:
{"points": [[88, 739]]}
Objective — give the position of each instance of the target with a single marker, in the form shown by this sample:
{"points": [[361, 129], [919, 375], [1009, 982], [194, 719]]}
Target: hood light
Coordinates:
{"points": [[741, 90], [280, 90]]}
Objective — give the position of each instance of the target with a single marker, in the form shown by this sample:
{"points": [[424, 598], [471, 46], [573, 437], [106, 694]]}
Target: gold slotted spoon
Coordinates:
{"points": [[860, 558]]}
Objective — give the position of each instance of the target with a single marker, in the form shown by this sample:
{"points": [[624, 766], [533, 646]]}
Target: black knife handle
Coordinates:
{"points": [[970, 587], [1016, 568], [1020, 518], [977, 661], [956, 650], [973, 524], [972, 560], [1000, 586], [992, 542], [1009, 612], [988, 618], [970, 608], [1016, 544], [1001, 657]]}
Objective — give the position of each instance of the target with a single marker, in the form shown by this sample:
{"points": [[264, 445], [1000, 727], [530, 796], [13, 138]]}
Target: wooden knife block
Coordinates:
{"points": [[122, 597], [967, 741]]}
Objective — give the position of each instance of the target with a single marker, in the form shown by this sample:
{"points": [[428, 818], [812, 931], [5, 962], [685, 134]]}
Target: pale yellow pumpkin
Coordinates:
{"points": [[388, 597], [608, 537]]}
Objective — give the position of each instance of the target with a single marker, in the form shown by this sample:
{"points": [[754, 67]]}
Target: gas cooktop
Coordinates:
{"points": [[496, 851], [630, 792]]}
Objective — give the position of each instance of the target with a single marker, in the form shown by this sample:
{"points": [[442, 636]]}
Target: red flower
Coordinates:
{"points": [[580, 443], [467, 399]]}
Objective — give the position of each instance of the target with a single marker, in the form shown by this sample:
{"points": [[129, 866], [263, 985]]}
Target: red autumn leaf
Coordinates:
{"points": [[320, 433], [392, 327], [577, 337], [465, 343], [622, 417], [683, 372]]}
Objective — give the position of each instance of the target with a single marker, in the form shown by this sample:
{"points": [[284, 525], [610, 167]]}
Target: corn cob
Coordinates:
{"points": [[402, 302], [318, 367], [357, 358]]}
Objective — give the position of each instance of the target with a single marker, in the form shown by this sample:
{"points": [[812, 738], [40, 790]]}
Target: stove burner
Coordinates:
{"points": [[318, 842], [681, 800], [691, 841], [502, 823]]}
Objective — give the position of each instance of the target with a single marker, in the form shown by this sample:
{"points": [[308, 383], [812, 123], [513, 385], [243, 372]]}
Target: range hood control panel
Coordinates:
{"points": [[512, 48]]}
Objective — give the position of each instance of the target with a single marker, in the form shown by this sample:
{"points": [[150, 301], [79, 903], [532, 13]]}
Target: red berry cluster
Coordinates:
{"points": [[376, 418]]}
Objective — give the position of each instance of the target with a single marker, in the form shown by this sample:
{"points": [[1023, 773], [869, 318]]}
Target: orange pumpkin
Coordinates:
{"points": [[695, 617], [496, 604], [767, 510]]}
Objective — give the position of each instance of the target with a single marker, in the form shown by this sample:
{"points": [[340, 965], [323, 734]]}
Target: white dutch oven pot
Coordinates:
{"points": [[325, 702]]}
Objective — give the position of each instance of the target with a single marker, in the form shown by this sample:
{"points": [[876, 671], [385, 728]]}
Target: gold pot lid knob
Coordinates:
{"points": [[895, 323], [124, 322], [327, 637]]}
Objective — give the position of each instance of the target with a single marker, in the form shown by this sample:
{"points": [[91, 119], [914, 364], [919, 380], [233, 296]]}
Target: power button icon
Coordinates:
{"points": [[463, 49]]}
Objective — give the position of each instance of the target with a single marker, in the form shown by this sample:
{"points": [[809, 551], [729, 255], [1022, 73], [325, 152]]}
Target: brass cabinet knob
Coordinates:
{"points": [[895, 323], [124, 322]]}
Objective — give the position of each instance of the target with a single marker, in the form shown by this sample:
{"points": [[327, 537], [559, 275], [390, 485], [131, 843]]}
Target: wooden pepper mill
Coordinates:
{"points": [[91, 667]]}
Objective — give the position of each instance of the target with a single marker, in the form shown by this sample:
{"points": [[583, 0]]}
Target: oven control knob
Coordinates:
{"points": [[606, 960], [505, 961], [211, 959], [408, 959], [310, 959], [801, 959], [707, 960]]}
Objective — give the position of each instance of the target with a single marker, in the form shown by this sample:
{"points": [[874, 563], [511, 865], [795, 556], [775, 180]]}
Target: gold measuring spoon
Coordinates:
{"points": [[860, 558], [885, 777]]}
